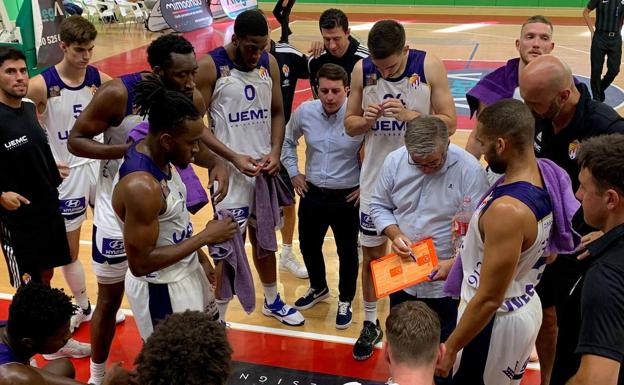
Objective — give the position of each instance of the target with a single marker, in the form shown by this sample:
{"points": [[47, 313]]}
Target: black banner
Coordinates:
{"points": [[186, 15], [51, 13]]}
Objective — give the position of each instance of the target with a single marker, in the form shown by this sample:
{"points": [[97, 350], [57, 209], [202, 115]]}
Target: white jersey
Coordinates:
{"points": [[174, 224], [64, 104], [241, 105], [532, 260], [387, 134], [104, 216]]}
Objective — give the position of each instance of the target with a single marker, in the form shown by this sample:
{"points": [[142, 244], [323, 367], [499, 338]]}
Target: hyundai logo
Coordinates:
{"points": [[116, 244], [73, 203]]}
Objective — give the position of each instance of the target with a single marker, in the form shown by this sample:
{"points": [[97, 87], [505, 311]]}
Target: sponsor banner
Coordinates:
{"points": [[47, 17], [256, 374], [233, 7], [180, 15]]}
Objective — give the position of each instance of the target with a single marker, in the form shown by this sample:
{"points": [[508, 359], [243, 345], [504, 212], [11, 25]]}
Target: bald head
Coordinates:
{"points": [[546, 74]]}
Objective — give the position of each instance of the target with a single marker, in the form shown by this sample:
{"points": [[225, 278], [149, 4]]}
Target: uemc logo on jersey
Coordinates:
{"points": [[390, 124], [463, 75], [182, 235], [252, 114]]}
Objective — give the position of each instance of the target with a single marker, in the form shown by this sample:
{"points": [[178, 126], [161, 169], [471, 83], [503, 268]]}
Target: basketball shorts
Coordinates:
{"points": [[152, 302], [76, 192], [108, 257], [368, 233], [499, 354], [34, 246]]}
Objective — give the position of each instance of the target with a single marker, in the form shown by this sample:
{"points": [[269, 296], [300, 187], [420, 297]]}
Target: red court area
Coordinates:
{"points": [[262, 358]]}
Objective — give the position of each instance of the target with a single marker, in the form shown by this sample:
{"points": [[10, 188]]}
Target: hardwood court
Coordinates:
{"points": [[469, 44]]}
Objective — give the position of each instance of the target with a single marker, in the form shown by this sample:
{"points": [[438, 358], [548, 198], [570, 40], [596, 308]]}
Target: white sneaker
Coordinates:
{"points": [[72, 349], [120, 316], [288, 262], [85, 316]]}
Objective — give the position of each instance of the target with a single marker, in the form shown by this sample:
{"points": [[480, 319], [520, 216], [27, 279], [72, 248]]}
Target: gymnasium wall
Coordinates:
{"points": [[479, 3]]}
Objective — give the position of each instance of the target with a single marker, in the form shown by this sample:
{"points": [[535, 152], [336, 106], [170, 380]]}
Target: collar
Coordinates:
{"points": [[353, 46], [600, 245], [338, 114]]}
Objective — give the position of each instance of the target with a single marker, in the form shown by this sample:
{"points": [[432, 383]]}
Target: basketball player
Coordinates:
{"points": [[61, 92], [388, 89], [499, 313], [241, 84], [111, 112]]}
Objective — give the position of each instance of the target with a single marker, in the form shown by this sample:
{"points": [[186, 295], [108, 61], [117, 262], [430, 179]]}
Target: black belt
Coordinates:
{"points": [[610, 34], [331, 191]]}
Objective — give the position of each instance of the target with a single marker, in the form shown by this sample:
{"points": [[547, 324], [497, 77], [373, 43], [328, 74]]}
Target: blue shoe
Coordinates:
{"points": [[311, 298], [344, 315], [284, 313]]}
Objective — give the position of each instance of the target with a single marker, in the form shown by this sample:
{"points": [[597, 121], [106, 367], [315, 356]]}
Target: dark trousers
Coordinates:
{"points": [[282, 15], [604, 45], [445, 308], [319, 210]]}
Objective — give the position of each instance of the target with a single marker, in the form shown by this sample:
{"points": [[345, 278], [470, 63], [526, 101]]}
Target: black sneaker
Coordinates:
{"points": [[371, 334], [311, 298]]}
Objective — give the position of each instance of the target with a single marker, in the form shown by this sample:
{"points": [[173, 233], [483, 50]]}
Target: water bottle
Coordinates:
{"points": [[459, 225]]}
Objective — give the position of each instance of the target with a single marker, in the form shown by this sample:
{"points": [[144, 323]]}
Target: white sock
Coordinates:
{"points": [[286, 249], [270, 292], [370, 311], [75, 278], [97, 372], [222, 305]]}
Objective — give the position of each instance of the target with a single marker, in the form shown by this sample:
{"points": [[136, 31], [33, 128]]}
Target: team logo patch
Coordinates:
{"points": [[371, 79], [26, 278], [573, 149], [285, 70], [263, 73], [224, 71], [414, 81], [54, 91]]}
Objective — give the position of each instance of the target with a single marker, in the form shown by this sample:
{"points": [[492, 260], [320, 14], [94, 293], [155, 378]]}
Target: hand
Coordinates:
{"points": [[12, 201], [316, 49], [354, 197], [372, 113], [270, 163], [440, 272], [444, 367], [246, 164], [585, 241], [300, 184], [220, 174], [117, 375], [394, 108], [220, 230], [401, 245], [63, 170]]}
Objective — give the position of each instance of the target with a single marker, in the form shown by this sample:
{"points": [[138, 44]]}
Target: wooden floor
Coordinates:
{"points": [[485, 41]]}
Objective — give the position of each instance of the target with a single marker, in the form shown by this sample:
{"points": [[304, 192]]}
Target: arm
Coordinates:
{"points": [[106, 109], [312, 69], [596, 370], [37, 92], [271, 162], [137, 200], [588, 21], [357, 121], [441, 98], [20, 374], [289, 153], [500, 226]]}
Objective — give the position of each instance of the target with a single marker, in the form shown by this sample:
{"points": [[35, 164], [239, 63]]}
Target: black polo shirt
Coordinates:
{"points": [[609, 15], [354, 53], [293, 66], [592, 118], [602, 300]]}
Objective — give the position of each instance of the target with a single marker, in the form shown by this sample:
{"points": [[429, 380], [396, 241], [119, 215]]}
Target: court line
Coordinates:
{"points": [[472, 55]]}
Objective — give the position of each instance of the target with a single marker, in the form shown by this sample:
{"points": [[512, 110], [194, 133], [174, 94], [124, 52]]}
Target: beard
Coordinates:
{"points": [[495, 163]]}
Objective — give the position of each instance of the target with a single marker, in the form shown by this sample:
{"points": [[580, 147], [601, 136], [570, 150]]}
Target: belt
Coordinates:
{"points": [[610, 34], [331, 191]]}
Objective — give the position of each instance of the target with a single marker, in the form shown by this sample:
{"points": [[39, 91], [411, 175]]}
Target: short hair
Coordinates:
{"points": [[159, 51], [538, 19], [250, 23], [165, 109], [425, 134], [185, 349], [333, 72], [38, 311], [603, 156], [413, 333], [387, 37], [76, 29], [333, 18], [510, 119], [10, 53]]}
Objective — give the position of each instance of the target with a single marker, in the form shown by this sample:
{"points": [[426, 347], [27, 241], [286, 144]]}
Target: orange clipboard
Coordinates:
{"points": [[392, 273]]}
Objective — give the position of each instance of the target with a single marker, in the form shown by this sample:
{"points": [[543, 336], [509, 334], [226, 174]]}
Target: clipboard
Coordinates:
{"points": [[392, 273]]}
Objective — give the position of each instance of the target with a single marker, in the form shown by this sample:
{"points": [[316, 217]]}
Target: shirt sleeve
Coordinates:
{"points": [[382, 207], [312, 69], [289, 147], [592, 4], [475, 182], [602, 313], [302, 68]]}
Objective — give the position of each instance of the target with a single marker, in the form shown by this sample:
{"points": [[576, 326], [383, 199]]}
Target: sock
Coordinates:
{"points": [[75, 278], [286, 249], [270, 292], [370, 311], [222, 305], [97, 373]]}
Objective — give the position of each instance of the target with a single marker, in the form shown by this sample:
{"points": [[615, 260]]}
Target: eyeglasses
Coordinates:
{"points": [[434, 164]]}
